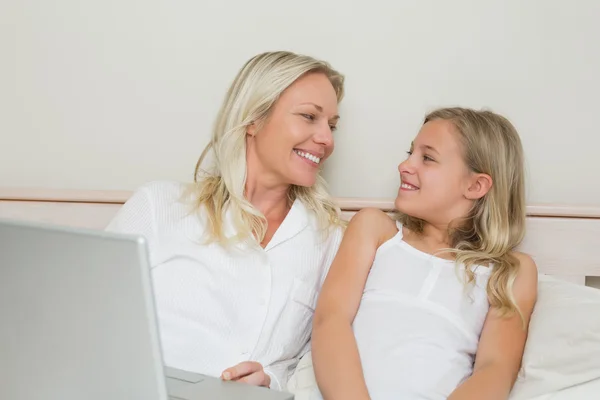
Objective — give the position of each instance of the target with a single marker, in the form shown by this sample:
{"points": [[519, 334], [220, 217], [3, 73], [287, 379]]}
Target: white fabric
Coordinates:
{"points": [[562, 355], [417, 327], [303, 383], [219, 307], [563, 345], [584, 391]]}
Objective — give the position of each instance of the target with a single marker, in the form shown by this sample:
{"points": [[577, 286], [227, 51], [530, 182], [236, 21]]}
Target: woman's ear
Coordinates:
{"points": [[480, 185], [251, 129]]}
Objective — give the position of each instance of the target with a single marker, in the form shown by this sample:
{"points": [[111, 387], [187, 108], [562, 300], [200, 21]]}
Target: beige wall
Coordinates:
{"points": [[110, 94]]}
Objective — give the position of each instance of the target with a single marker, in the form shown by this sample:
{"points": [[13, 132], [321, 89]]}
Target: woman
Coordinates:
{"points": [[435, 303], [239, 256]]}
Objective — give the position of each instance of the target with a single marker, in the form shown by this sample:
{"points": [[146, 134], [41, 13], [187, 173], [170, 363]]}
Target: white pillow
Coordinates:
{"points": [[562, 350], [303, 383], [563, 346]]}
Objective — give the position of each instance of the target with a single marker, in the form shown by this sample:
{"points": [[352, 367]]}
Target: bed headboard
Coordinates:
{"points": [[564, 240]]}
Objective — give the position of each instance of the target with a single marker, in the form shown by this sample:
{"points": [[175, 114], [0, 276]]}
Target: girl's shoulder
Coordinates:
{"points": [[527, 265], [375, 223]]}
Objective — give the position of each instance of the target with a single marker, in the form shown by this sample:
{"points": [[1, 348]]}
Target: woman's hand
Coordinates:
{"points": [[250, 372]]}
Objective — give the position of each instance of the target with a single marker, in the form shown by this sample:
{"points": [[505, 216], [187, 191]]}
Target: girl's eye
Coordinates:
{"points": [[309, 117], [427, 158], [409, 152], [333, 128]]}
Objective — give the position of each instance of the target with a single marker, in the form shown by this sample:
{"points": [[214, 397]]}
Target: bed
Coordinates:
{"points": [[562, 356]]}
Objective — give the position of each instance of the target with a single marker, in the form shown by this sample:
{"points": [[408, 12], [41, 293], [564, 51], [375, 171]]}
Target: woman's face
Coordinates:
{"points": [[297, 136]]}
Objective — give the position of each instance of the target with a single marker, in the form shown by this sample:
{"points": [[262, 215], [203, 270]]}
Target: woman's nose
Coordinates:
{"points": [[324, 136]]}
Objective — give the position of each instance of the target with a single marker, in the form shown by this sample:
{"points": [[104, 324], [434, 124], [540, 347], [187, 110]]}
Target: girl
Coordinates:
{"points": [[438, 299]]}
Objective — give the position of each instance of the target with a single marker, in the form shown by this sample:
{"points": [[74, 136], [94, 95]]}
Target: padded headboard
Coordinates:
{"points": [[564, 240]]}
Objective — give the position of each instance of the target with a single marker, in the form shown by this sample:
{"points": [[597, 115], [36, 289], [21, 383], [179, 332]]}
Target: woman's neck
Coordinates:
{"points": [[271, 200]]}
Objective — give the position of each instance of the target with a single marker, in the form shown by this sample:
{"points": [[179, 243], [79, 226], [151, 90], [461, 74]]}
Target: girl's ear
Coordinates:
{"points": [[480, 185]]}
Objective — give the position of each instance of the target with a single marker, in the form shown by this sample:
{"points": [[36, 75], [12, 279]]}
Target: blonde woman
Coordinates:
{"points": [[239, 256], [435, 303]]}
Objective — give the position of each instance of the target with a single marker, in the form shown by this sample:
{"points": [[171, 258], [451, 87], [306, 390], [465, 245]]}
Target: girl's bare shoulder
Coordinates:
{"points": [[375, 223]]}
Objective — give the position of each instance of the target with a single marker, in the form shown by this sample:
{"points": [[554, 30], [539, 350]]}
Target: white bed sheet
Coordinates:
{"points": [[304, 386], [585, 391]]}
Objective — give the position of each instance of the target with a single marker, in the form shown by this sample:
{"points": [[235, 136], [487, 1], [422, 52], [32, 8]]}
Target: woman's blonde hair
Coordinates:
{"points": [[250, 98], [496, 223]]}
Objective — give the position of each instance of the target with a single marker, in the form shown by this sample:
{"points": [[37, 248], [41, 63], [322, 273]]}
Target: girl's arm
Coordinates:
{"points": [[335, 354], [502, 343]]}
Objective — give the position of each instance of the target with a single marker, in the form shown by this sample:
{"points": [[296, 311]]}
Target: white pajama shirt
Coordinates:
{"points": [[217, 307]]}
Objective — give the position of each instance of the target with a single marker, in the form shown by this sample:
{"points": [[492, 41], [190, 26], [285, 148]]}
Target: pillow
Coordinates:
{"points": [[303, 383], [563, 345], [562, 349]]}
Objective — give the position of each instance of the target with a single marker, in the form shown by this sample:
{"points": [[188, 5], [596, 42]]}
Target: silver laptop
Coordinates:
{"points": [[77, 322]]}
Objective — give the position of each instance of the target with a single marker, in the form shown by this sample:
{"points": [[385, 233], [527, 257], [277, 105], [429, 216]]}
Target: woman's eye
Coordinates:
{"points": [[427, 158], [333, 128], [309, 117]]}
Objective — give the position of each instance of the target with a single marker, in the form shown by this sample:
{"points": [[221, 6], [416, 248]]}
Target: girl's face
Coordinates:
{"points": [[436, 184]]}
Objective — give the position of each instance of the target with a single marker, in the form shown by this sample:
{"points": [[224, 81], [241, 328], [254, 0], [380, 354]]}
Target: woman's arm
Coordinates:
{"points": [[502, 343], [335, 354]]}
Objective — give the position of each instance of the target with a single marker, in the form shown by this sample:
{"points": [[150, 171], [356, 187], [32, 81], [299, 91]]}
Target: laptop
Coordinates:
{"points": [[77, 321]]}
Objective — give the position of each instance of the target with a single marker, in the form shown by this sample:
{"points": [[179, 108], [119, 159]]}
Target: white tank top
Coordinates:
{"points": [[418, 325]]}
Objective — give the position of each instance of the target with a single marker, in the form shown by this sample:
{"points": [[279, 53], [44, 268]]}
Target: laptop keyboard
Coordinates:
{"points": [[177, 378], [184, 376]]}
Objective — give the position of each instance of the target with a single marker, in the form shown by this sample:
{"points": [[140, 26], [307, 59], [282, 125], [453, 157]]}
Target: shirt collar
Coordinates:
{"points": [[294, 222]]}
